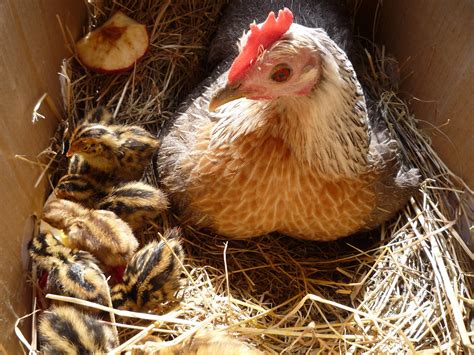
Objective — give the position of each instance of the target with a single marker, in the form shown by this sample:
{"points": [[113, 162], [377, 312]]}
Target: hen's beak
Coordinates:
{"points": [[225, 95]]}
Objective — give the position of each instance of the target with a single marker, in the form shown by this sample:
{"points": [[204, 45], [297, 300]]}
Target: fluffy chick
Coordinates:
{"points": [[99, 232], [136, 203], [117, 152], [81, 189], [79, 166], [66, 330], [152, 276], [203, 343], [71, 272], [98, 115]]}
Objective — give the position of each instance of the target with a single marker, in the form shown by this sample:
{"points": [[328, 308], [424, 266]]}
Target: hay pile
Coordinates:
{"points": [[403, 288]]}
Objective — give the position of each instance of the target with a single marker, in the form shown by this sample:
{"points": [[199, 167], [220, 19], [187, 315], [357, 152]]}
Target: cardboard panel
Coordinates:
{"points": [[431, 38], [433, 41], [31, 50]]}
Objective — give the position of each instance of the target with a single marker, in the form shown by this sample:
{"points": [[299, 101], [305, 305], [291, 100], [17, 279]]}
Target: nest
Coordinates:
{"points": [[402, 288]]}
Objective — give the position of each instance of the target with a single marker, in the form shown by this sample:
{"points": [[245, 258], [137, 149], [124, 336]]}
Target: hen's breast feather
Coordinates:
{"points": [[255, 185]]}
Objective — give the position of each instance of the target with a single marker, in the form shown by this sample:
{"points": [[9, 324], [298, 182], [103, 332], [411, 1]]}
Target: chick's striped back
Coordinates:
{"points": [[99, 232], [135, 202], [66, 330], [117, 153], [152, 276], [79, 188], [71, 272]]}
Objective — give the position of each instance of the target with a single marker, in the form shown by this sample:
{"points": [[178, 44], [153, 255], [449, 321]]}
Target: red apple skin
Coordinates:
{"points": [[119, 70]]}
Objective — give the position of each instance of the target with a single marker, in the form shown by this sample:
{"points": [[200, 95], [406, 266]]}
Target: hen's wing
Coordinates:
{"points": [[395, 181]]}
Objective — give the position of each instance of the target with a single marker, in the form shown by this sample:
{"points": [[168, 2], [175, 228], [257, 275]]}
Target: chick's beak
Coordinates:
{"points": [[70, 152], [225, 95]]}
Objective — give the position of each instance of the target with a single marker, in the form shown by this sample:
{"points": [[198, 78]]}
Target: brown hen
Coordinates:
{"points": [[292, 146]]}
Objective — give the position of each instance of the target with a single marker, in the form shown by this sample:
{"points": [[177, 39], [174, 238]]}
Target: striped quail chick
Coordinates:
{"points": [[152, 276], [99, 232], [98, 115], [81, 189], [71, 272], [77, 165], [134, 202], [66, 330], [111, 152]]}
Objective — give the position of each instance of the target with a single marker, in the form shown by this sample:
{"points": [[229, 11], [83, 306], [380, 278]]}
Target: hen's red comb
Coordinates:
{"points": [[260, 38]]}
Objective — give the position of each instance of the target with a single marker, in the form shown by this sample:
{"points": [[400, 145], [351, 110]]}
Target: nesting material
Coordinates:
{"points": [[403, 288]]}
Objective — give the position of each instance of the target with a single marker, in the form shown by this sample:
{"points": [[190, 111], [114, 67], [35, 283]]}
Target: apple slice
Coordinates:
{"points": [[115, 46]]}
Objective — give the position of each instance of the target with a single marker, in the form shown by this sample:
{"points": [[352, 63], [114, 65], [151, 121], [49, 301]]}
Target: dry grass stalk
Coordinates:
{"points": [[403, 288]]}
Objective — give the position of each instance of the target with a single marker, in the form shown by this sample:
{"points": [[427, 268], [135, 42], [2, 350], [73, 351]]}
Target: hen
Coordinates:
{"points": [[285, 140]]}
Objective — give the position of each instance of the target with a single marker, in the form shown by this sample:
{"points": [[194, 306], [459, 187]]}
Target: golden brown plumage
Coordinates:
{"points": [[66, 330], [109, 153], [71, 272], [202, 343], [152, 276], [294, 146], [99, 232], [266, 190]]}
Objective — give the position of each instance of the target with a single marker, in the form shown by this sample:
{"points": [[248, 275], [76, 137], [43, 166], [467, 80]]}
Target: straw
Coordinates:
{"points": [[406, 287]]}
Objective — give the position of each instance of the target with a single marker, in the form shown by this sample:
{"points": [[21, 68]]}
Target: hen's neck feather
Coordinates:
{"points": [[327, 129]]}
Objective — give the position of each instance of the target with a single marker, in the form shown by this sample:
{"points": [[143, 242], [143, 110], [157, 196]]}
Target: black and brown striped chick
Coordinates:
{"points": [[77, 164], [152, 276], [100, 114], [71, 272], [135, 202], [116, 153], [81, 189], [66, 330], [99, 232]]}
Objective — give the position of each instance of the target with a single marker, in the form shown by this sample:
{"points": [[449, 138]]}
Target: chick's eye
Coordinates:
{"points": [[281, 73]]}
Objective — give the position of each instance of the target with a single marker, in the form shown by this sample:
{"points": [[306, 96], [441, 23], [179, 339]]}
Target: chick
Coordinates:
{"points": [[118, 152], [71, 272], [79, 166], [81, 189], [203, 343], [98, 115], [99, 232], [152, 276], [66, 330], [136, 203]]}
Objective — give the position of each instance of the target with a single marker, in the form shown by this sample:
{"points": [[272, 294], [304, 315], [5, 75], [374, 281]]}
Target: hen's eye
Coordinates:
{"points": [[281, 73]]}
